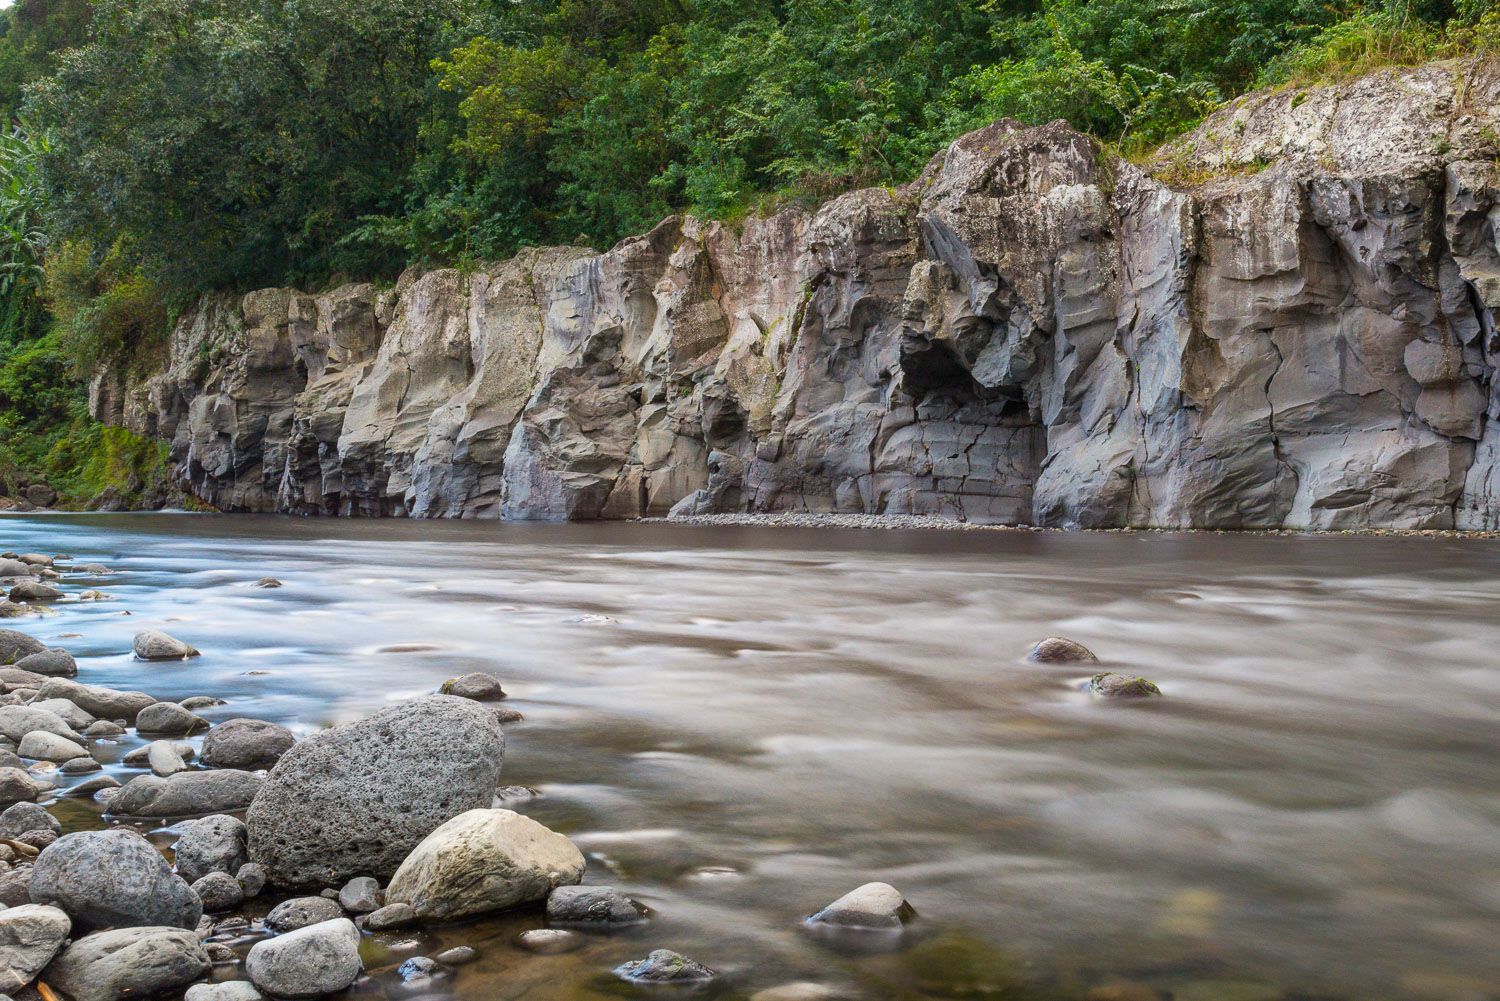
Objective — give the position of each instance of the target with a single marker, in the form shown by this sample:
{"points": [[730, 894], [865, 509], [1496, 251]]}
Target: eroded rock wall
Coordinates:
{"points": [[1288, 320]]}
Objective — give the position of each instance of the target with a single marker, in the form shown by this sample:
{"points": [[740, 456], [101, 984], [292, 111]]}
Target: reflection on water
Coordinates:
{"points": [[739, 725]]}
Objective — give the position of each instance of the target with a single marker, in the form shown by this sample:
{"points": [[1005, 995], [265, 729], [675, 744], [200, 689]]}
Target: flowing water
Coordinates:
{"points": [[739, 725]]}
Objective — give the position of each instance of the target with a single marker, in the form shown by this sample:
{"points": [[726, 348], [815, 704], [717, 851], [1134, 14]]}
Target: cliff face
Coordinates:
{"points": [[1299, 331]]}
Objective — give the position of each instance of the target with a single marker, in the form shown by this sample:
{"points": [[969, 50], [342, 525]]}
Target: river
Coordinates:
{"points": [[737, 725]]}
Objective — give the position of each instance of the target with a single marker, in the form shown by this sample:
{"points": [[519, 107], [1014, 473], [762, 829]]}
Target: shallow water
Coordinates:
{"points": [[738, 725]]}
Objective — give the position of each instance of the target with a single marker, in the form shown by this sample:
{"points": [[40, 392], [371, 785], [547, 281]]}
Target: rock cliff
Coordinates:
{"points": [[1286, 320]]}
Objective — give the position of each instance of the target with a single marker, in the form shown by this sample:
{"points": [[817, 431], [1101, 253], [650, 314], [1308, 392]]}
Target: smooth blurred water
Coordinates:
{"points": [[738, 725]]}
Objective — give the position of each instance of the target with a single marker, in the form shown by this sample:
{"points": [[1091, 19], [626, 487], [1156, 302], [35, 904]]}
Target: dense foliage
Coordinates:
{"points": [[164, 147]]}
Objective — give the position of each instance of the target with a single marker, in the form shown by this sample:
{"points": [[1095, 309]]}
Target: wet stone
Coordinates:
{"points": [[664, 967]]}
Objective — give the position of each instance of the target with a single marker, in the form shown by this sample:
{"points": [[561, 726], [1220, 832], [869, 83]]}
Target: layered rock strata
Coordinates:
{"points": [[1285, 321]]}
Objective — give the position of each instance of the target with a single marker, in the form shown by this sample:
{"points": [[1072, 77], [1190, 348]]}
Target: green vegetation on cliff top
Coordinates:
{"points": [[261, 142]]}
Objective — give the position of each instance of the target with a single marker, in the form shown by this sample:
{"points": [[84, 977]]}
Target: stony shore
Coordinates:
{"points": [[289, 853]]}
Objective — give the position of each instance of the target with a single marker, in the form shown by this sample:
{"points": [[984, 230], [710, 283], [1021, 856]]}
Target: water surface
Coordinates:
{"points": [[738, 725]]}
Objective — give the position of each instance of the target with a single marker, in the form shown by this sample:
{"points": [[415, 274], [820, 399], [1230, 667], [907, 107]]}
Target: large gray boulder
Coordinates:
{"points": [[30, 935], [105, 703], [168, 719], [250, 744], [14, 568], [186, 794], [66, 711], [212, 844], [18, 786], [484, 861], [310, 962], [17, 721], [112, 879], [357, 798], [128, 963], [157, 645], [54, 663], [23, 818], [42, 746]]}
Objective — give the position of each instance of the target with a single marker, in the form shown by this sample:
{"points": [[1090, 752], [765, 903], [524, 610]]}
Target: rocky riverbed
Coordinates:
{"points": [[565, 763]]}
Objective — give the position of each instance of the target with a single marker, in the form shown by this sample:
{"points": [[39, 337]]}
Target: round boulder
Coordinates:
{"points": [[478, 686], [128, 963], [54, 663], [250, 744], [23, 818], [307, 963], [357, 798], [39, 745], [157, 645], [1057, 650], [872, 906], [213, 844], [300, 912], [168, 719], [483, 861], [112, 878]]}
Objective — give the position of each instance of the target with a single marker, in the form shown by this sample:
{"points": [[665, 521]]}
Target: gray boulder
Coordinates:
{"points": [[42, 746], [169, 720], [252, 877], [14, 568], [250, 744], [34, 590], [593, 907], [37, 559], [105, 703], [186, 794], [17, 721], [14, 885], [17, 786], [230, 990], [140, 757], [112, 878], [30, 935], [164, 759], [14, 646], [392, 778], [483, 861], [310, 962], [300, 912], [219, 892], [103, 729], [389, 917], [23, 818], [212, 844], [157, 645], [66, 711], [872, 906], [54, 663], [360, 895], [128, 963], [478, 686]]}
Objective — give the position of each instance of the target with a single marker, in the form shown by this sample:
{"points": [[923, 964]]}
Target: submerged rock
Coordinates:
{"points": [[186, 794], [872, 906], [153, 644], [128, 963], [30, 935], [307, 963], [250, 744], [1119, 686], [168, 719], [1057, 650], [482, 861], [356, 799], [549, 941], [113, 878], [664, 967], [592, 906]]}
